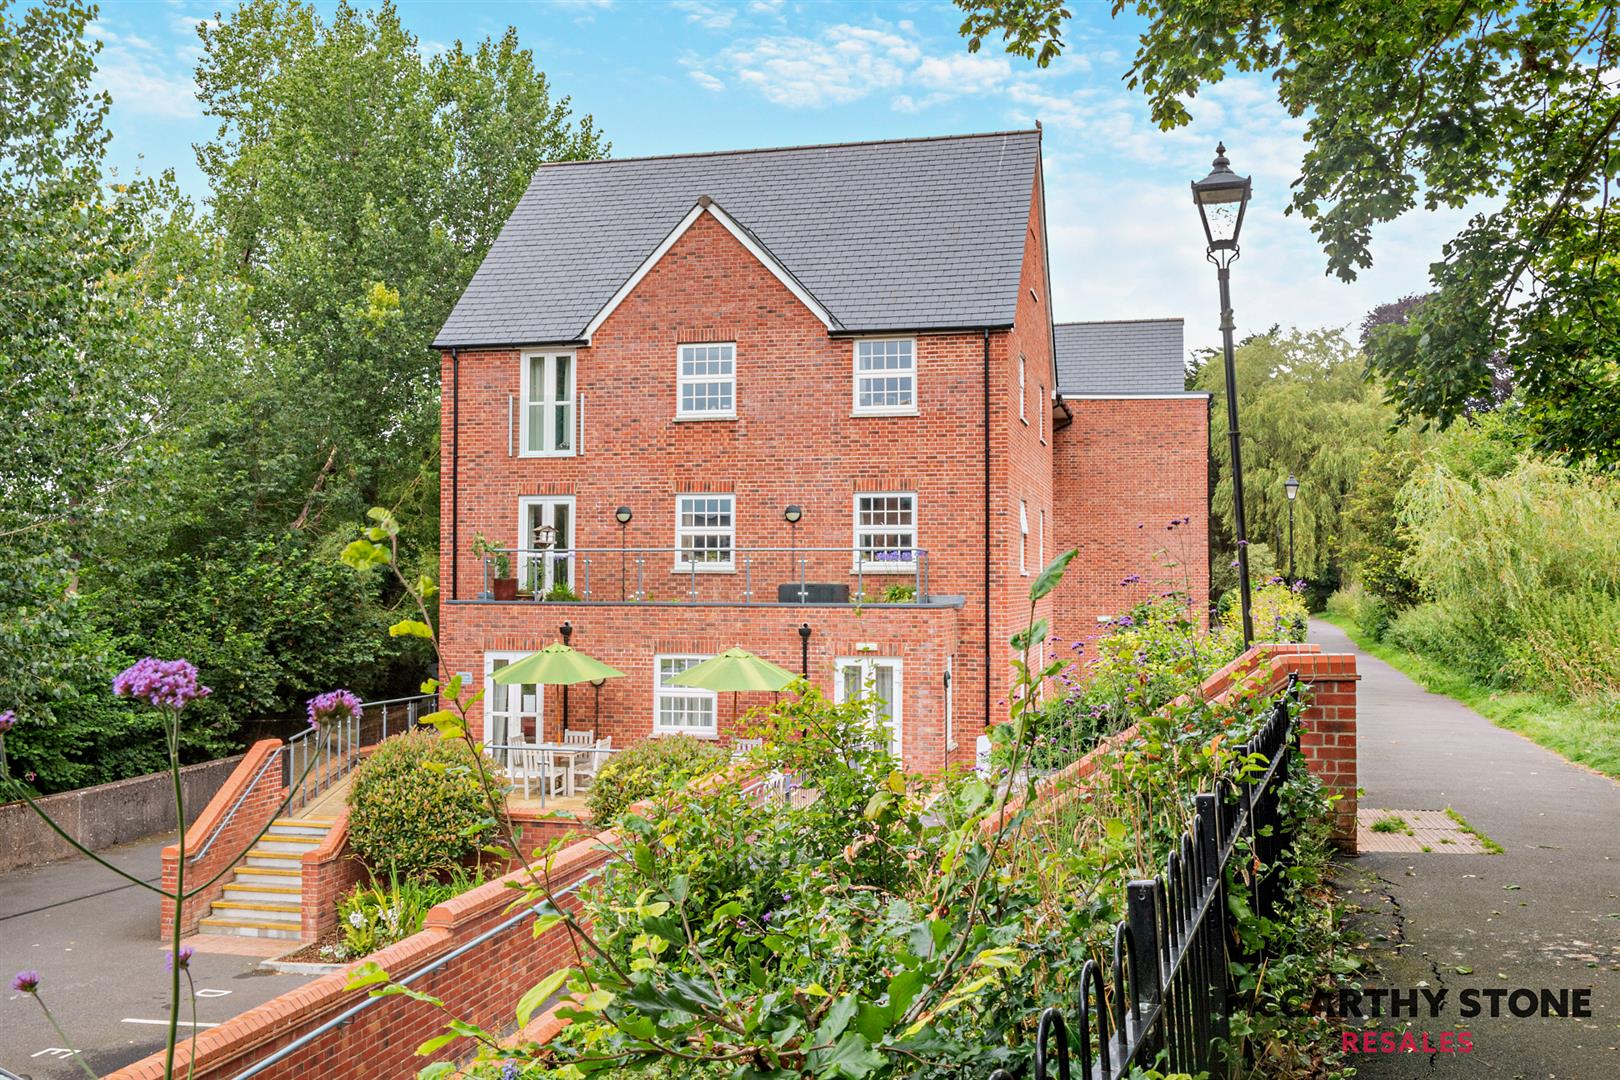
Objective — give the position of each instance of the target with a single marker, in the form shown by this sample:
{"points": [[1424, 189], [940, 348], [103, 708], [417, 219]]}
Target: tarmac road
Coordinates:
{"points": [[93, 937], [1543, 915]]}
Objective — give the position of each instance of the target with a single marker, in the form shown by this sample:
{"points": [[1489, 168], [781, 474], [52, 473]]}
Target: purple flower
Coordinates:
{"points": [[186, 953], [1242, 543], [1078, 645], [1130, 579], [1125, 620], [510, 1071], [25, 982], [333, 705], [8, 720], [163, 684], [1234, 564]]}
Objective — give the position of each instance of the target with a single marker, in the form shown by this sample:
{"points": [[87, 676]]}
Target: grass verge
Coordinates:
{"points": [[1581, 731]]}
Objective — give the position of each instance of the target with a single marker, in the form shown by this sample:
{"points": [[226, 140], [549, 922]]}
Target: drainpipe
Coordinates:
{"points": [[455, 470], [986, 516]]}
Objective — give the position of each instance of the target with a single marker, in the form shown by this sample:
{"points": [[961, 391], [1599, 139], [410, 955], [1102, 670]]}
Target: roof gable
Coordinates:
{"points": [[1133, 356], [910, 235], [706, 205]]}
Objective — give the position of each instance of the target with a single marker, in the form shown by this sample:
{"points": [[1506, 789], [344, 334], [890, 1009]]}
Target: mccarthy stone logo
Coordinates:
{"points": [[1369, 1004]]}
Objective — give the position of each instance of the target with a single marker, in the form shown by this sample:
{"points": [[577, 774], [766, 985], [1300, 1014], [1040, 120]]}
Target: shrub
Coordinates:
{"points": [[1278, 612], [417, 805], [372, 917], [1359, 606], [651, 767]]}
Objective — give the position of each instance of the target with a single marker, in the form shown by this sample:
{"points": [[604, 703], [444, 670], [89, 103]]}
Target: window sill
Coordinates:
{"points": [[668, 733], [686, 571], [698, 418], [546, 453], [886, 568], [858, 413]]}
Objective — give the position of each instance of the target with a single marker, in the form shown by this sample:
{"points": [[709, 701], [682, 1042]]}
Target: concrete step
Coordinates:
{"points": [[278, 860], [240, 891], [268, 875], [250, 928], [260, 911], [273, 841], [317, 827]]}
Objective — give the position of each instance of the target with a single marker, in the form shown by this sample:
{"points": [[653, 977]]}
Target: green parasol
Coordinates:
{"points": [[736, 670], [555, 665]]}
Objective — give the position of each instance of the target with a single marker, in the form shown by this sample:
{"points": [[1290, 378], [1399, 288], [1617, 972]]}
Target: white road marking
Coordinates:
{"points": [[208, 992], [163, 1023], [54, 1051]]}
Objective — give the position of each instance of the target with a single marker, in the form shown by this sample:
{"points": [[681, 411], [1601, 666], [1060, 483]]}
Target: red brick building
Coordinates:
{"points": [[809, 401]]}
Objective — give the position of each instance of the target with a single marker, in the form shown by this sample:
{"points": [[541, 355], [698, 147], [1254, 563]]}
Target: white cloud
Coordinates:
{"points": [[705, 80], [963, 73], [841, 65], [140, 84], [708, 16]]}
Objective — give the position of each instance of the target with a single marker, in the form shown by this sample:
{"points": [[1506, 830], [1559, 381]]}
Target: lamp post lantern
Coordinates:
{"points": [[622, 515], [1222, 197], [1291, 486]]}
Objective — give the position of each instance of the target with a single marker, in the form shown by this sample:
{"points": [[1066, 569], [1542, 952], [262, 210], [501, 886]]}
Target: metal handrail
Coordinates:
{"points": [[264, 766], [913, 562]]}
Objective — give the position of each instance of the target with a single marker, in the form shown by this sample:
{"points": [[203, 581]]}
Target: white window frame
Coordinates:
{"points": [[1043, 410], [684, 693], [1023, 389], [684, 565], [525, 540], [1023, 538], [548, 404], [683, 380], [857, 409], [491, 658], [867, 664], [871, 566], [1040, 541]]}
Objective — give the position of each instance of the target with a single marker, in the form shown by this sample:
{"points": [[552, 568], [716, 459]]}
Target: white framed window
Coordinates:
{"points": [[879, 680], [681, 710], [705, 531], [540, 568], [1023, 537], [1043, 410], [1023, 389], [886, 532], [547, 419], [706, 382], [509, 709], [1040, 542], [885, 376]]}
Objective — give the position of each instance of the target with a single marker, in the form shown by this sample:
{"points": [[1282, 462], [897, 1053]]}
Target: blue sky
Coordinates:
{"points": [[691, 75]]}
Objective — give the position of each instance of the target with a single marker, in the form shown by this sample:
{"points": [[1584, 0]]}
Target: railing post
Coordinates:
{"points": [[916, 574], [384, 724], [587, 582], [692, 589], [641, 561], [802, 592], [1147, 973], [1214, 929], [748, 579]]}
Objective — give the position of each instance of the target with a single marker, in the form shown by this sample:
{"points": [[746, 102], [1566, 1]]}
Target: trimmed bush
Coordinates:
{"points": [[416, 804], [651, 767]]}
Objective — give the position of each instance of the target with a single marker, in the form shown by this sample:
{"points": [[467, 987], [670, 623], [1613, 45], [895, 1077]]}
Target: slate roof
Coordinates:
{"points": [[1134, 356], [904, 235]]}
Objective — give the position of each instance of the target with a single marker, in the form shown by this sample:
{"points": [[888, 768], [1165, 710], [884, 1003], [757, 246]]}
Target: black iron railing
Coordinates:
{"points": [[1166, 1003]]}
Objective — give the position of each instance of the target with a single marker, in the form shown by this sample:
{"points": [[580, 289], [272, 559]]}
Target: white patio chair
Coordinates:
{"points": [[578, 738], [586, 766], [744, 747]]}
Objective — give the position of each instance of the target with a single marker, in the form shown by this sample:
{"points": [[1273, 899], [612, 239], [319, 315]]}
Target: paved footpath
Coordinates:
{"points": [[93, 937], [1544, 914]]}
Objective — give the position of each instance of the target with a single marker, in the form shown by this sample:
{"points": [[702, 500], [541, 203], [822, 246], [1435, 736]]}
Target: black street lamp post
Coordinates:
{"points": [[1292, 488], [622, 515], [1221, 198]]}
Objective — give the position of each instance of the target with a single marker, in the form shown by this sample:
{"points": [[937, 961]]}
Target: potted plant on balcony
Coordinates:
{"points": [[503, 585]]}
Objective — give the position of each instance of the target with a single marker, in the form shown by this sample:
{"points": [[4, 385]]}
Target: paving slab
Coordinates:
{"points": [[1543, 915]]}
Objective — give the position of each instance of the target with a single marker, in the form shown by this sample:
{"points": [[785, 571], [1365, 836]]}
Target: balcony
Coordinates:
{"points": [[714, 575]]}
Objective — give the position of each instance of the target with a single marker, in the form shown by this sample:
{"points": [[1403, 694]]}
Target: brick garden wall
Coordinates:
{"points": [[261, 778], [328, 871]]}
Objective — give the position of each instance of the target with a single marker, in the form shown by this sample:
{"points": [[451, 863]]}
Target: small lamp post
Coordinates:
{"points": [[804, 649], [622, 515], [1222, 197], [567, 631], [596, 720], [791, 514], [1291, 486]]}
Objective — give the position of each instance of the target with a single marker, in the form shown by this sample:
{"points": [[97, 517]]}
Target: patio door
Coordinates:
{"points": [[509, 709], [539, 518], [876, 679]]}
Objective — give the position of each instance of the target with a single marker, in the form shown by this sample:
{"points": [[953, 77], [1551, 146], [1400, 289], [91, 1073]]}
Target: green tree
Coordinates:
{"points": [[1429, 103], [1307, 411]]}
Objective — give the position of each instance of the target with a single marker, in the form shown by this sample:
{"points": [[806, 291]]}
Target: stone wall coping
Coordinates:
{"points": [[225, 797]]}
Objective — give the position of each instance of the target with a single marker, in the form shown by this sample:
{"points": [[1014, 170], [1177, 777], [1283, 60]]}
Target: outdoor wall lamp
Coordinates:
{"points": [[791, 514], [1222, 197], [622, 515]]}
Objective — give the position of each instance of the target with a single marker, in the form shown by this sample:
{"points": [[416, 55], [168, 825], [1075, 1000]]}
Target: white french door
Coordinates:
{"points": [[537, 572], [507, 708], [877, 679]]}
